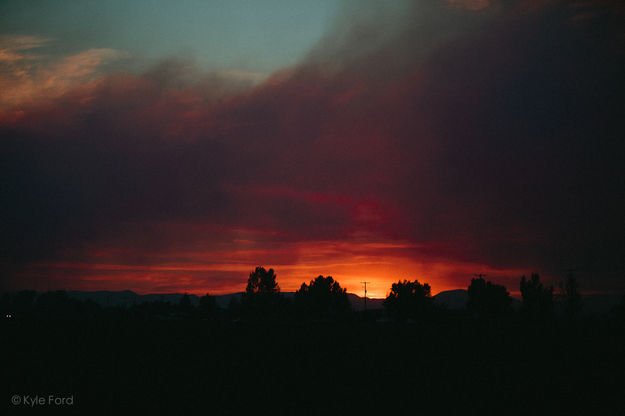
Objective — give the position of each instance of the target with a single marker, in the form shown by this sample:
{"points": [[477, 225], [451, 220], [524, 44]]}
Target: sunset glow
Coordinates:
{"points": [[370, 142]]}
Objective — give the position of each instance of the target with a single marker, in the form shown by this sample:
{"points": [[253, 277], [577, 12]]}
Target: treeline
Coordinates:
{"points": [[322, 299]]}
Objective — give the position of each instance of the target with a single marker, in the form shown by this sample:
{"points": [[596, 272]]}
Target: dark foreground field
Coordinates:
{"points": [[189, 367]]}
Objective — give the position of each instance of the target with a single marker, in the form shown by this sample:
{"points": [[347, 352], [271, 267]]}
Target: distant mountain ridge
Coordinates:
{"points": [[457, 299], [452, 299], [128, 298]]}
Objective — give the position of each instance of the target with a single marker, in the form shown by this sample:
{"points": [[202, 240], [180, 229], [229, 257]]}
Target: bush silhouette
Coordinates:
{"points": [[537, 300], [322, 297], [487, 299], [408, 300]]}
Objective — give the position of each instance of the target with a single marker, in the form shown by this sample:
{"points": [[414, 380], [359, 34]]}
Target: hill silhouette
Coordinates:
{"points": [[128, 298], [598, 304]]}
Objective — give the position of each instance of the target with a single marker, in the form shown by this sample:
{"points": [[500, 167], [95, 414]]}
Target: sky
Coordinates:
{"points": [[247, 35], [174, 146]]}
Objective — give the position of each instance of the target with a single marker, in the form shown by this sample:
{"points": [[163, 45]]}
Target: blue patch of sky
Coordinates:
{"points": [[248, 35]]}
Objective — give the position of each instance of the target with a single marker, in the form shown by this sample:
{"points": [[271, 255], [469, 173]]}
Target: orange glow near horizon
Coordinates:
{"points": [[221, 272]]}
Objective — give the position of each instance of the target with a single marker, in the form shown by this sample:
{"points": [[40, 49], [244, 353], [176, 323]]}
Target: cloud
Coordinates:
{"points": [[441, 145], [12, 48], [254, 78], [86, 63], [26, 77]]}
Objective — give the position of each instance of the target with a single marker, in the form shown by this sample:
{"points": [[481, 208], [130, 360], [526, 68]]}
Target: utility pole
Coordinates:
{"points": [[365, 283], [480, 275], [569, 271]]}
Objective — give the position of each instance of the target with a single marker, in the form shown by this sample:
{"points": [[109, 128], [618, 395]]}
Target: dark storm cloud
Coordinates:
{"points": [[487, 132], [529, 114]]}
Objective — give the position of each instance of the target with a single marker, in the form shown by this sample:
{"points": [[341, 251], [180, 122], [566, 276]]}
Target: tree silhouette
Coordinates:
{"points": [[262, 281], [158, 309], [262, 294], [185, 302], [408, 300], [570, 297], [208, 306], [487, 299], [57, 305], [19, 304], [234, 307], [619, 310], [537, 300], [322, 297]]}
